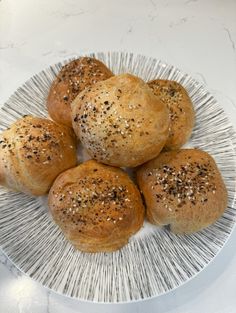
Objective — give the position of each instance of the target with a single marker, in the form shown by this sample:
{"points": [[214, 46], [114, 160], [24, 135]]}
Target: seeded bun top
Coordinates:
{"points": [[180, 109], [183, 188], [98, 207], [70, 81], [120, 121]]}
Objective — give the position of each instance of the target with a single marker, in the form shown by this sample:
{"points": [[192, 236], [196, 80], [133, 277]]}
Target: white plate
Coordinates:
{"points": [[155, 261]]}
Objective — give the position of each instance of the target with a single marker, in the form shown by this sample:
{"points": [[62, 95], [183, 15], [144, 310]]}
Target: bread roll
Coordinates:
{"points": [[70, 81], [33, 151], [181, 111], [120, 122], [97, 207], [183, 189]]}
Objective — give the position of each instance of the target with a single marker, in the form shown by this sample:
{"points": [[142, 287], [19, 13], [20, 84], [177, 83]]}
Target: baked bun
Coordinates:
{"points": [[97, 207], [183, 189], [33, 151], [71, 80], [181, 111], [120, 122]]}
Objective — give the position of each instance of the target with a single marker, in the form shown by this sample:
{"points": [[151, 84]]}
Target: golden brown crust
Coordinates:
{"points": [[33, 151], [183, 188], [120, 122], [181, 111], [71, 80], [98, 207]]}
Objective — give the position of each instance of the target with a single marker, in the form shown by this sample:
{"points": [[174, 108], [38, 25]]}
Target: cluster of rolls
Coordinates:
{"points": [[122, 122]]}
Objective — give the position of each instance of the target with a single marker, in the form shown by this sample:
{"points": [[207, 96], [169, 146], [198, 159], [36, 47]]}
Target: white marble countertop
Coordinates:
{"points": [[197, 36]]}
